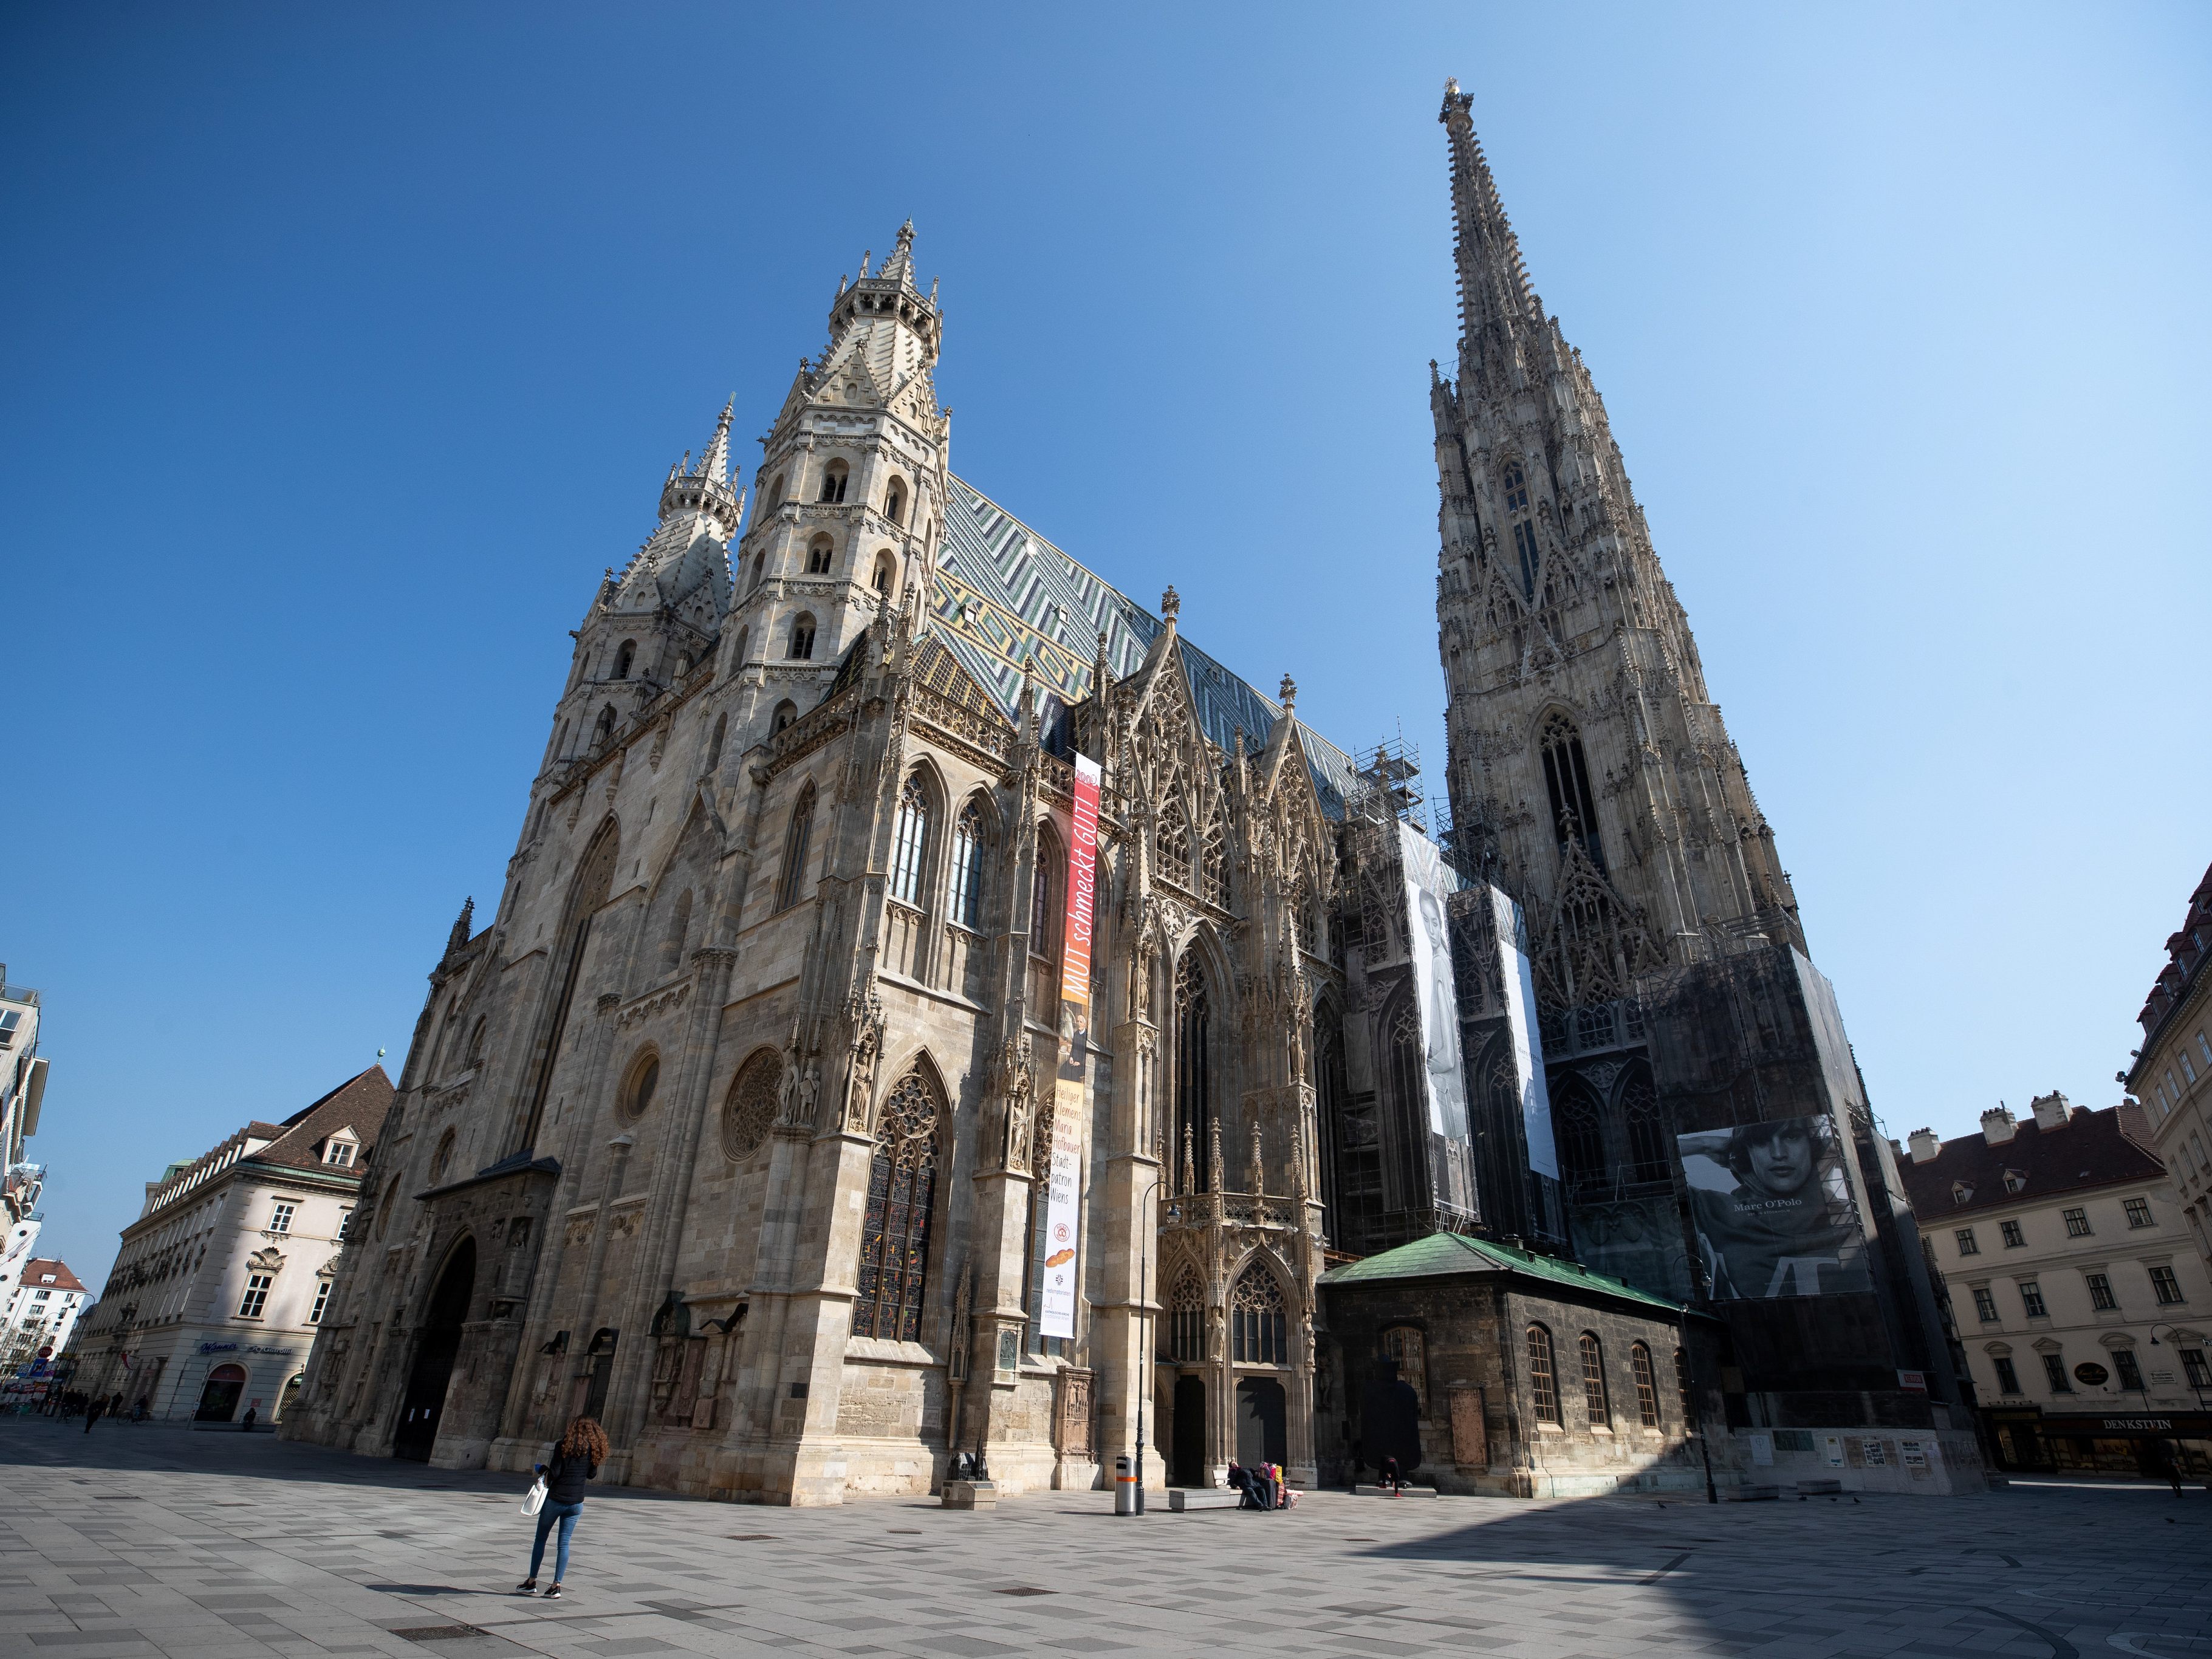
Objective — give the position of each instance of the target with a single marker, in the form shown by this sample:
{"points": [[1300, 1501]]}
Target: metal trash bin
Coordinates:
{"points": [[1125, 1488]]}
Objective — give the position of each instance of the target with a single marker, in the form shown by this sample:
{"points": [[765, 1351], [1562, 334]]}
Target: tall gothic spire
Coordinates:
{"points": [[715, 465], [1496, 298]]}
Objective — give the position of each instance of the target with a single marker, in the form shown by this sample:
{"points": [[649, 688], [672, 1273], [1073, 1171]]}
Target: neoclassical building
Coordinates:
{"points": [[729, 1129]]}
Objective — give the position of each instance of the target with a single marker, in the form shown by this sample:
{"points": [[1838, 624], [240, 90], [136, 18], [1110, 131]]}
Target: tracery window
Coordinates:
{"points": [[1580, 1136], [791, 882], [750, 1109], [1594, 1398], [895, 503], [833, 480], [1543, 1377], [624, 658], [1647, 1144], [895, 1225], [968, 847], [1213, 873], [1566, 781], [640, 1086], [817, 556], [1647, 1385], [1258, 1328], [1044, 893], [1193, 1097], [1173, 844], [1187, 1319], [1524, 527], [910, 843], [802, 638]]}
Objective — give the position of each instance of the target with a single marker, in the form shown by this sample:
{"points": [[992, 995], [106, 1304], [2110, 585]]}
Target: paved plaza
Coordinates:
{"points": [[140, 1541]]}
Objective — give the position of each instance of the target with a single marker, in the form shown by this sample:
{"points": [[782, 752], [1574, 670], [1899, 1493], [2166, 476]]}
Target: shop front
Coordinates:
{"points": [[2031, 1441]]}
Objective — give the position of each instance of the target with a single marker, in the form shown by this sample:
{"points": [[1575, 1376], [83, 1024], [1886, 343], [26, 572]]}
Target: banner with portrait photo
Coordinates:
{"points": [[1773, 1209], [1436, 992]]}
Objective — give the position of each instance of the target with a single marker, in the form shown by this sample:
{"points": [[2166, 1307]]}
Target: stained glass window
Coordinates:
{"points": [[1256, 1322], [894, 1226], [910, 846]]}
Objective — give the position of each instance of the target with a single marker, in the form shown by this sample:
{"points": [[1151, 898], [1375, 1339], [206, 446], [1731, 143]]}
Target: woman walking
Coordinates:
{"points": [[575, 1459]]}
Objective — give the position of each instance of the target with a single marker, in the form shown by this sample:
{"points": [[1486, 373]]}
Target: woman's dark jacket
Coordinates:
{"points": [[565, 1477]]}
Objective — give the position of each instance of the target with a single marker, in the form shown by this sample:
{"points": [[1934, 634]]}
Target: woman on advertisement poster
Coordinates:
{"points": [[1773, 1210], [1440, 1019]]}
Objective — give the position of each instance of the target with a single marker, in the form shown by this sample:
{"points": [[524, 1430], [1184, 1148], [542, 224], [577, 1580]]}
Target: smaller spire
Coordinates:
{"points": [[715, 463], [1171, 603], [867, 254], [1287, 694], [462, 925]]}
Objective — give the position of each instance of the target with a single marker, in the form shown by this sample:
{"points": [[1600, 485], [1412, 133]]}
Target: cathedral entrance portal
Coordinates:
{"points": [[1261, 1437], [425, 1399], [1189, 1433]]}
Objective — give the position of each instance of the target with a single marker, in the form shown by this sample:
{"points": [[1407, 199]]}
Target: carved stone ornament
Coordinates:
{"points": [[265, 1261]]}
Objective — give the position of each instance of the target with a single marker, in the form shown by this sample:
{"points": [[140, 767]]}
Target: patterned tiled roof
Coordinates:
{"points": [[1006, 596]]}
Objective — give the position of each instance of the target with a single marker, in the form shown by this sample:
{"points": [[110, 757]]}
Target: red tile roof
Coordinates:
{"points": [[38, 1266], [2090, 1150]]}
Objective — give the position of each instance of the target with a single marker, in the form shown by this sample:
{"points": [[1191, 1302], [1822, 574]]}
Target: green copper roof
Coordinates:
{"points": [[1442, 1254]]}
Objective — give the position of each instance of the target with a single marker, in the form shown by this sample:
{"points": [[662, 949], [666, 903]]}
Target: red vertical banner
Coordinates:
{"points": [[1082, 885]]}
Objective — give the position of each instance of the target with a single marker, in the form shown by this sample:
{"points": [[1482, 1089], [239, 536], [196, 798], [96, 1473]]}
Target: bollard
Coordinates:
{"points": [[1125, 1488]]}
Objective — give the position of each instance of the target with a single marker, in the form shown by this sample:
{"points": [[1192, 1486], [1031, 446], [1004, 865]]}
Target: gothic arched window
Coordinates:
{"points": [[817, 556], [910, 843], [679, 927], [624, 658], [1187, 1319], [1044, 893], [1213, 869], [786, 712], [1649, 1146], [895, 503], [968, 849], [802, 637], [1258, 1330], [1543, 1377], [886, 573], [1596, 1400], [894, 1226], [1524, 527], [791, 883], [833, 481], [1173, 844], [775, 493], [1581, 1136], [1647, 1385], [606, 727], [1566, 781], [1193, 1093], [715, 743], [1410, 1349]]}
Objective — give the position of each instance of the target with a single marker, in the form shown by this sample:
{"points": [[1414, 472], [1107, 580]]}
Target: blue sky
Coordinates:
{"points": [[344, 346]]}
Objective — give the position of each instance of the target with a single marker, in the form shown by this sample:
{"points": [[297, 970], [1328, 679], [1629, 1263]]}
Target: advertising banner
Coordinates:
{"points": [[1520, 988], [1773, 1210], [1082, 885], [1436, 993], [1061, 1163]]}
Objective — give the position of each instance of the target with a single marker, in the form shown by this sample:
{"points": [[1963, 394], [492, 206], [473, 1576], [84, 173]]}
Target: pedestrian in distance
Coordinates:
{"points": [[92, 1411], [245, 1423], [577, 1459]]}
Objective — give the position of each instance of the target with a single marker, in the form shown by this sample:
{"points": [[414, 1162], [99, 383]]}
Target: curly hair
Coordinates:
{"points": [[585, 1439]]}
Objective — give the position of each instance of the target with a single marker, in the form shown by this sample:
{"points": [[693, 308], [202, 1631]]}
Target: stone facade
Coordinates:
{"points": [[2171, 1074]]}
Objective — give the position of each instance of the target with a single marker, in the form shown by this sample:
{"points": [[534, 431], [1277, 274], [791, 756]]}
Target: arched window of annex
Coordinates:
{"points": [[819, 554], [1187, 1317], [748, 1111], [1407, 1346], [1566, 782], [785, 713], [901, 1212], [1193, 1074], [886, 576], [894, 502], [971, 843], [1543, 1377], [1647, 1385], [1259, 1325], [834, 477], [1597, 1399], [640, 1083], [1515, 483], [801, 645], [791, 878], [625, 655], [910, 837], [1047, 910]]}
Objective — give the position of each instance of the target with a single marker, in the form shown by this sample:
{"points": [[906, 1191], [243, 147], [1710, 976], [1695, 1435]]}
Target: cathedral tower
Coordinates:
{"points": [[1592, 778]]}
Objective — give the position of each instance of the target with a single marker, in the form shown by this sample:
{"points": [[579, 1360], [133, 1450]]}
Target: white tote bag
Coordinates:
{"points": [[534, 1499]]}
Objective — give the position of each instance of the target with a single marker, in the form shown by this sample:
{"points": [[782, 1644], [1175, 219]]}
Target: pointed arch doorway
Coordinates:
{"points": [[1189, 1437], [424, 1402]]}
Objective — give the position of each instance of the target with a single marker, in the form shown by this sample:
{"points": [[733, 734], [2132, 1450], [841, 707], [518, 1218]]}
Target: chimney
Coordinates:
{"points": [[1924, 1145], [2052, 1110], [1997, 1126]]}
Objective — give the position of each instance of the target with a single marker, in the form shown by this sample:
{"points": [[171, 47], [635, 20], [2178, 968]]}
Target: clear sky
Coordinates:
{"points": [[340, 347]]}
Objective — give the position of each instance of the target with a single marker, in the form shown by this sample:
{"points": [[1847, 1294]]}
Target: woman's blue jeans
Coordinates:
{"points": [[566, 1514]]}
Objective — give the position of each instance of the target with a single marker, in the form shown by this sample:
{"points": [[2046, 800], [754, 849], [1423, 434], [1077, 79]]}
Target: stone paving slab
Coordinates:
{"points": [[141, 1542]]}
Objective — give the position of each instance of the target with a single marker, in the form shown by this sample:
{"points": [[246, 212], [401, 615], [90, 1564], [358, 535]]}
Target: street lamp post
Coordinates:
{"points": [[1144, 1333]]}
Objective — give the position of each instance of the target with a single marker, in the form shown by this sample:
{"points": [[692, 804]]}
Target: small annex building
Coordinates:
{"points": [[1535, 1377]]}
